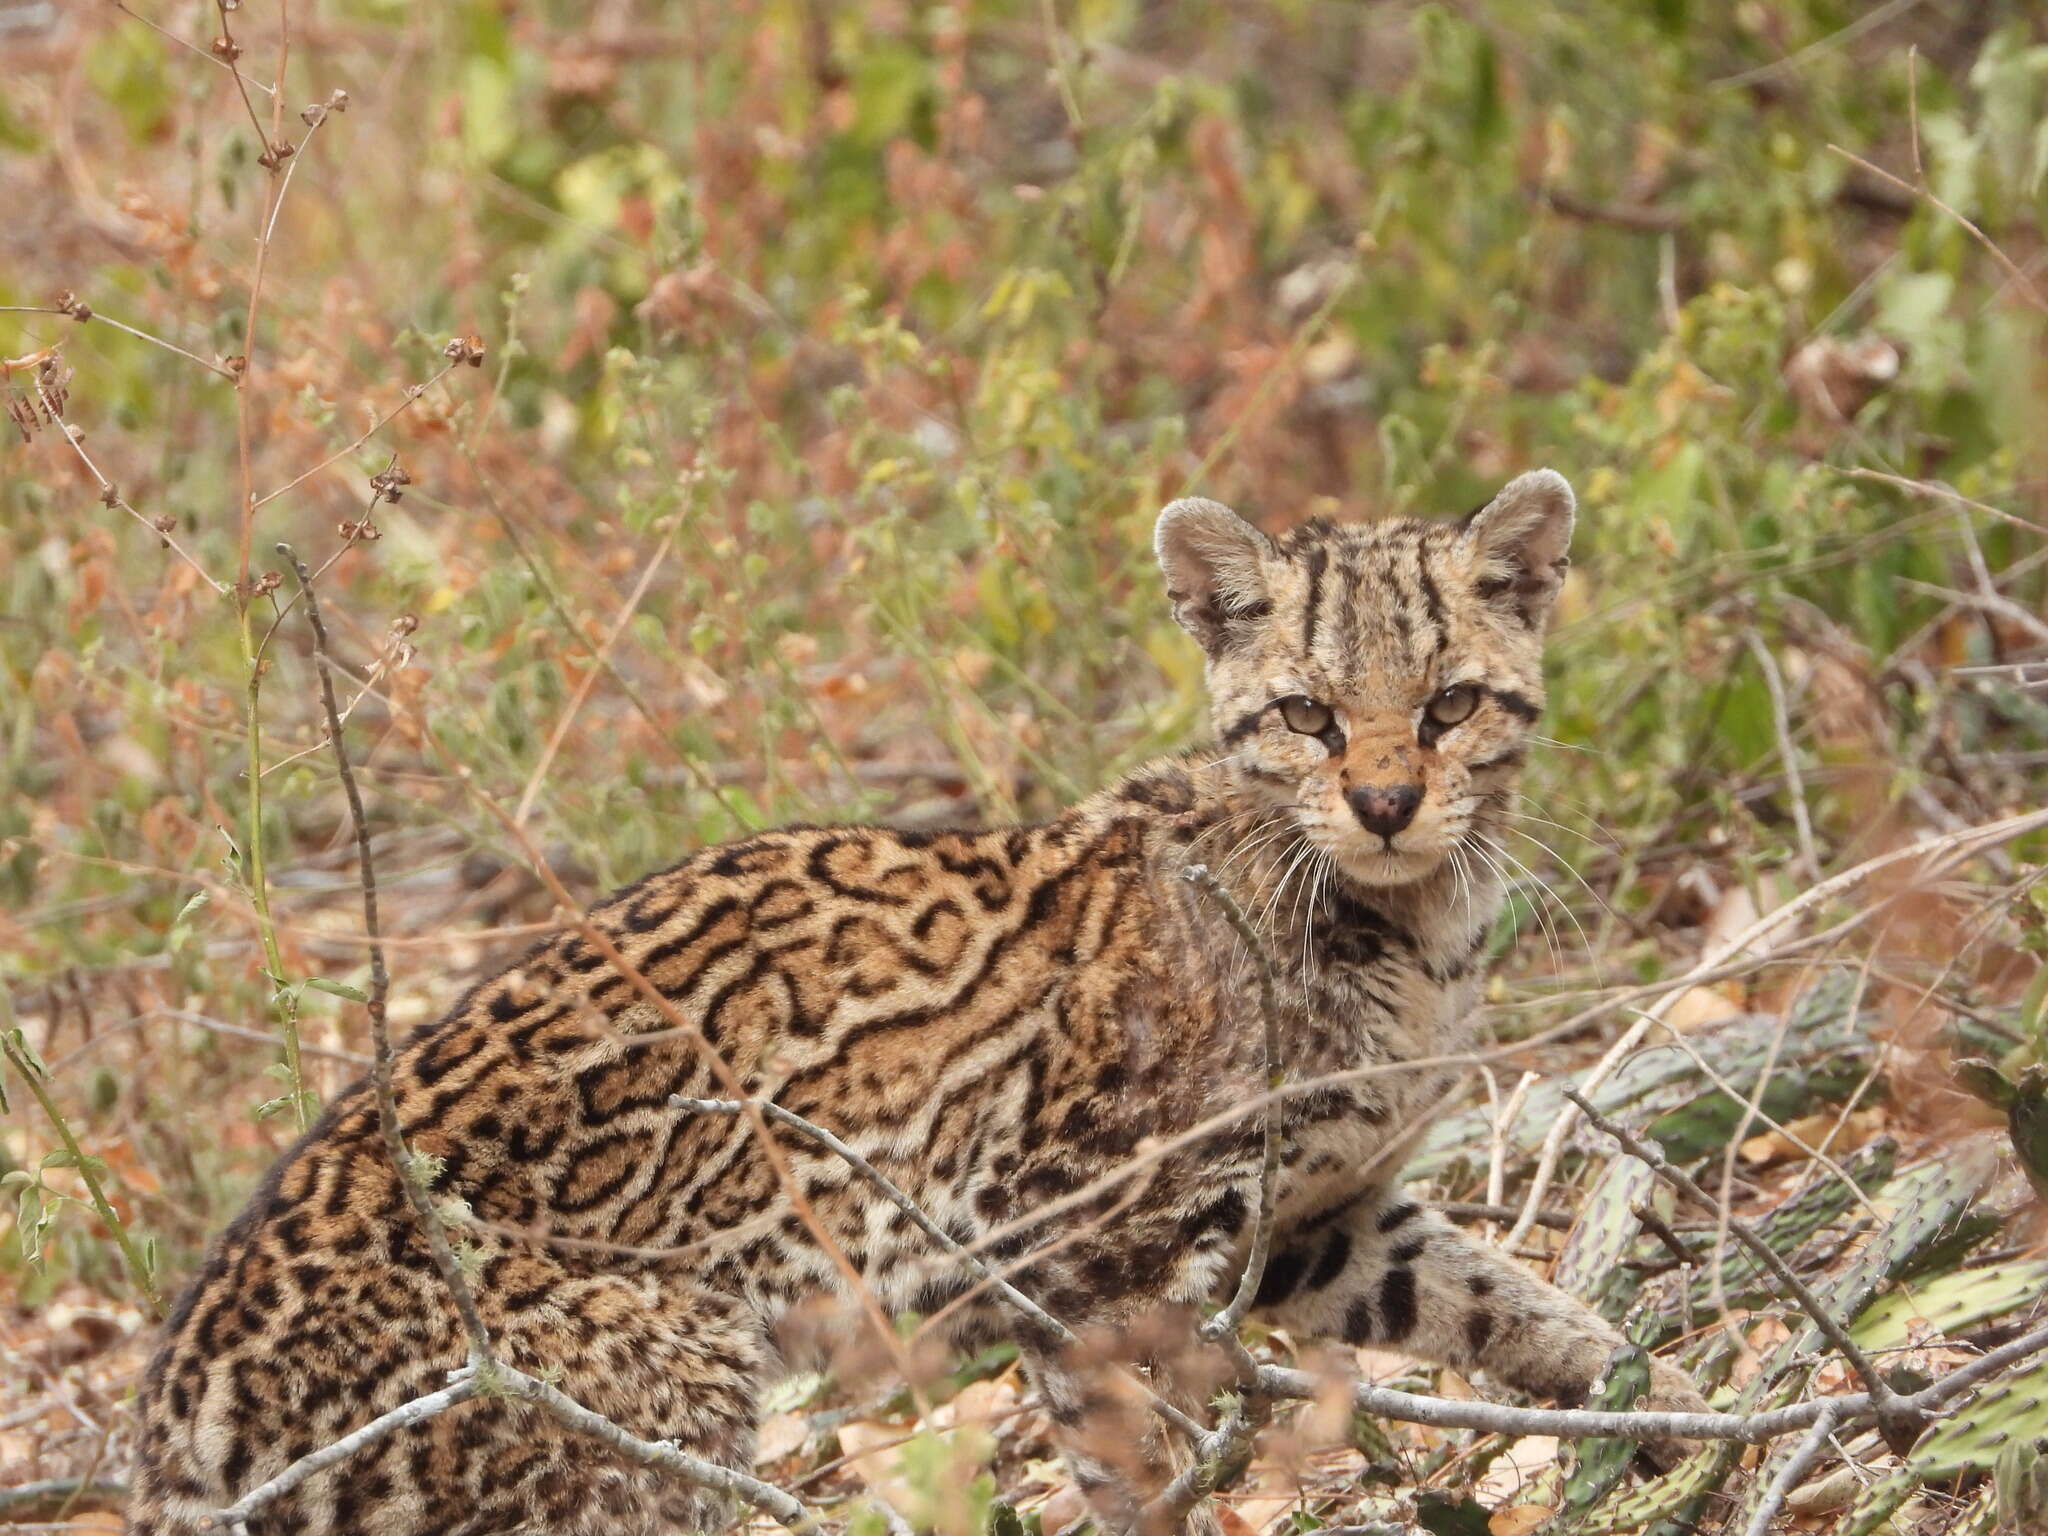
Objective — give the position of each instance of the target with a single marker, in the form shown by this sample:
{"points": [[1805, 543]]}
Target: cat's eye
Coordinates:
{"points": [[1305, 714], [1453, 704]]}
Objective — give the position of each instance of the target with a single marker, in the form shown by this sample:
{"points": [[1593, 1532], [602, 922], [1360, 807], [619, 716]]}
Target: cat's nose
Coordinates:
{"points": [[1384, 808]]}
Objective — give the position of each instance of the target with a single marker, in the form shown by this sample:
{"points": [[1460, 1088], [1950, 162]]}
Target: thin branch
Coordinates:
{"points": [[589, 679], [284, 185], [1563, 1423], [2012, 268], [1868, 21], [1894, 1418], [766, 1497], [135, 331], [1796, 1466], [1940, 492], [1225, 1323], [210, 57], [413, 393], [1788, 752], [498, 1380], [229, 56], [1642, 218], [1479, 1210], [235, 1518], [112, 497], [1994, 603], [409, 1176]]}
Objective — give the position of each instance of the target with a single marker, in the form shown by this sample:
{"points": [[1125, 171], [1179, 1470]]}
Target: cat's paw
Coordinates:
{"points": [[1671, 1391]]}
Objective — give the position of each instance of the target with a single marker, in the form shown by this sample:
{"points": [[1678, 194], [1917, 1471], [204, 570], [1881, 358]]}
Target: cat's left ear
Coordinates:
{"points": [[1521, 538]]}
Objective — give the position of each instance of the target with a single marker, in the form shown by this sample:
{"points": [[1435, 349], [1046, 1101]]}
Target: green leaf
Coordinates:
{"points": [[337, 989]]}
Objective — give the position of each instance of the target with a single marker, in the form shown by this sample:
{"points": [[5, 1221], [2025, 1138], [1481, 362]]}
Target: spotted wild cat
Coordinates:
{"points": [[995, 1019]]}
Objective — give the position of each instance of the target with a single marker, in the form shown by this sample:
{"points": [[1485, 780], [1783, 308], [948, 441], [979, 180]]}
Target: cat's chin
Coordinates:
{"points": [[1385, 867]]}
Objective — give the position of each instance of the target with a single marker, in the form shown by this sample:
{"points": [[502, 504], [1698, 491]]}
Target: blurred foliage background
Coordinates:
{"points": [[834, 361]]}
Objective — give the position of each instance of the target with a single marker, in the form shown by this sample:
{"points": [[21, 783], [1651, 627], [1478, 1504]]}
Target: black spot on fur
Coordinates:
{"points": [[1478, 1332], [1282, 1277], [1331, 1263], [1398, 1215], [1397, 1303]]}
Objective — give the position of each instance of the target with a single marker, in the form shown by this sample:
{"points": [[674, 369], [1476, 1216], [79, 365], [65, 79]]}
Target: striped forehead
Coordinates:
{"points": [[1372, 596]]}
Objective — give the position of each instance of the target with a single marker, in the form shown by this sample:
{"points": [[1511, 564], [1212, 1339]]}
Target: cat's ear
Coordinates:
{"points": [[1215, 570], [1520, 538]]}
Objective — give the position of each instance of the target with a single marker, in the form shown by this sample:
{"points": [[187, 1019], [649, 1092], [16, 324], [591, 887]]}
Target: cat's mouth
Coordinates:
{"points": [[1373, 862]]}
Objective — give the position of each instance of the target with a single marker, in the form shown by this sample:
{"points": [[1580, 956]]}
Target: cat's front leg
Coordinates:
{"points": [[1386, 1270]]}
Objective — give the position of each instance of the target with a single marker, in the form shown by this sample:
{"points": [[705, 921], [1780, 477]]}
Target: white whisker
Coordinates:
{"points": [[1543, 887]]}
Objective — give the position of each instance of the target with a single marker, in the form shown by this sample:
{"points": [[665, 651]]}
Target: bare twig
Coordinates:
{"points": [[1940, 492], [2012, 269], [498, 1380], [589, 678], [82, 313], [211, 58], [417, 1193], [235, 1518], [1642, 218], [1225, 1322], [1480, 1210], [1994, 603], [160, 527], [413, 394], [1796, 1465], [1788, 752]]}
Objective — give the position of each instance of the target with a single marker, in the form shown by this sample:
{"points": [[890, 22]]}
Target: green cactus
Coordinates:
{"points": [[1663, 1081], [1973, 1438], [1590, 1266], [1788, 1230], [2019, 1481], [1951, 1303], [1930, 1203], [2027, 1120], [1661, 1499], [1982, 1079], [1604, 1463]]}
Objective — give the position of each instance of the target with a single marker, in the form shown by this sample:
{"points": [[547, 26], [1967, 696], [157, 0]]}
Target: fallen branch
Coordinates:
{"points": [[1796, 1465], [498, 1380]]}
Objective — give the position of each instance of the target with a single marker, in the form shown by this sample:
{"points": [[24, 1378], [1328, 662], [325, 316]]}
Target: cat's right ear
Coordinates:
{"points": [[1214, 563]]}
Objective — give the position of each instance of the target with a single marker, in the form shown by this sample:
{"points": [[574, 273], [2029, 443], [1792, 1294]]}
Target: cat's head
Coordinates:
{"points": [[1376, 681]]}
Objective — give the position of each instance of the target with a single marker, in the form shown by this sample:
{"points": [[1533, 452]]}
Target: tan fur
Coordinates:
{"points": [[996, 1019]]}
